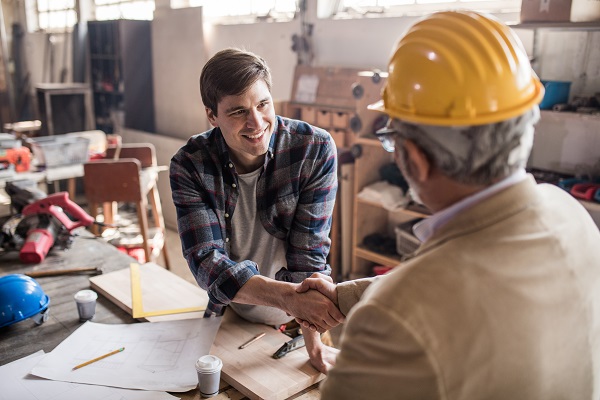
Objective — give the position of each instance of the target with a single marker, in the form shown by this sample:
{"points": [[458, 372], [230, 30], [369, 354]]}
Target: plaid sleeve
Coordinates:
{"points": [[309, 241], [202, 235]]}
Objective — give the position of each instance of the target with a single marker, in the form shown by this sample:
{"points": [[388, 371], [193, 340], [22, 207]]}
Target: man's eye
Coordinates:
{"points": [[238, 113]]}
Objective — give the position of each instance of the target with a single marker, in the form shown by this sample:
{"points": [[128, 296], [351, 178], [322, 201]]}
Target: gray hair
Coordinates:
{"points": [[479, 154]]}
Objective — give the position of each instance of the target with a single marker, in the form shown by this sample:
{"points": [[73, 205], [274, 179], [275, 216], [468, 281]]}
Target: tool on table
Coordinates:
{"points": [[18, 157], [585, 191], [56, 272], [254, 339], [98, 358], [41, 225], [294, 344]]}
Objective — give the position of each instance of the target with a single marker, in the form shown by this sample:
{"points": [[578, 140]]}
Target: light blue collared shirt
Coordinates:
{"points": [[426, 228]]}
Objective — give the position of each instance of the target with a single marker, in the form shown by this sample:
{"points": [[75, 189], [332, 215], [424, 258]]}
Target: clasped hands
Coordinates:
{"points": [[318, 308]]}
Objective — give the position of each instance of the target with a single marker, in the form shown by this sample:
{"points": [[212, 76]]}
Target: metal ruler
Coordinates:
{"points": [[137, 306]]}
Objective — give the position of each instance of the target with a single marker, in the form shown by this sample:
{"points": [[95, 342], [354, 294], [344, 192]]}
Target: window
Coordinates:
{"points": [[389, 8], [236, 11], [124, 9], [51, 15]]}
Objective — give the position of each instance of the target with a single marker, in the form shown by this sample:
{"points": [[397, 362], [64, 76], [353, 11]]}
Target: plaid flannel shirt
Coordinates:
{"points": [[295, 198]]}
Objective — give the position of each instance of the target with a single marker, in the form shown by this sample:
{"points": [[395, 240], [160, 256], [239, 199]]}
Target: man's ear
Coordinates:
{"points": [[212, 118], [417, 161]]}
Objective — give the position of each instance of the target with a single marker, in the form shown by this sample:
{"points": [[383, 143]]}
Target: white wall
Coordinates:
{"points": [[178, 54]]}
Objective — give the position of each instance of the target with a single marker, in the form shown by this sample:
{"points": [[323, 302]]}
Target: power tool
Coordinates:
{"points": [[19, 157], [42, 224]]}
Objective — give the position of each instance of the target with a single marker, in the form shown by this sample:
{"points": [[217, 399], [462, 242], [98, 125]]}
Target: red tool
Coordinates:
{"points": [[20, 157], [585, 191], [45, 223]]}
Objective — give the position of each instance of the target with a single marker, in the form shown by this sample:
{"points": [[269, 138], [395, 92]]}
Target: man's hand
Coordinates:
{"points": [[322, 357], [315, 308], [312, 306], [324, 285]]}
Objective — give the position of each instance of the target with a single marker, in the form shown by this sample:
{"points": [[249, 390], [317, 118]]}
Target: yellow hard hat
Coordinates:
{"points": [[459, 68]]}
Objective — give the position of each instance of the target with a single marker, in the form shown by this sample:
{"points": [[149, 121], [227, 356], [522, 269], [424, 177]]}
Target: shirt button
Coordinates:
{"points": [[230, 165], [234, 185], [226, 215], [226, 240]]}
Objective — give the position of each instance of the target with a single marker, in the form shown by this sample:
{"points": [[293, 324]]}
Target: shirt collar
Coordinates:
{"points": [[425, 229]]}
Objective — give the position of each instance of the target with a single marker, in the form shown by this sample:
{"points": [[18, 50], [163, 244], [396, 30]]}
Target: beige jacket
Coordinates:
{"points": [[502, 303]]}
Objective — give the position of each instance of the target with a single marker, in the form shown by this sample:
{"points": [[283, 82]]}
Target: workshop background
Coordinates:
{"points": [[50, 41]]}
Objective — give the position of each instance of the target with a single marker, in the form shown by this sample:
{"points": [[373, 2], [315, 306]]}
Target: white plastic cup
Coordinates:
{"points": [[86, 304], [209, 375]]}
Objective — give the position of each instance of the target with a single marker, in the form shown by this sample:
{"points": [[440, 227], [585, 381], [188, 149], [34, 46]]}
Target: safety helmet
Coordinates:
{"points": [[459, 68], [22, 297]]}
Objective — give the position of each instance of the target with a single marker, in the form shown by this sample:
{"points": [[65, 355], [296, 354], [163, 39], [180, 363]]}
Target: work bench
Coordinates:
{"points": [[24, 338]]}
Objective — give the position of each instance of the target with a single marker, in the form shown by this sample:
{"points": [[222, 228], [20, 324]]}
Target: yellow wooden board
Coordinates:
{"points": [[252, 370], [161, 290]]}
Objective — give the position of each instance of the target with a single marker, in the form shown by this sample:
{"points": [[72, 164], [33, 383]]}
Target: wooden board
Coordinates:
{"points": [[161, 290], [252, 370]]}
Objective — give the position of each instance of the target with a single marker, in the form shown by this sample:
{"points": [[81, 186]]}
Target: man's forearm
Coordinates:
{"points": [[310, 306], [262, 291]]}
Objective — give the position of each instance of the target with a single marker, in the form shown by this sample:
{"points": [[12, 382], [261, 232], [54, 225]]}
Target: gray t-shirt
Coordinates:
{"points": [[250, 241]]}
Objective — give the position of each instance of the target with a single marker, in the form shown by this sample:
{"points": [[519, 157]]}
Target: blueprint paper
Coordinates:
{"points": [[17, 384], [157, 356]]}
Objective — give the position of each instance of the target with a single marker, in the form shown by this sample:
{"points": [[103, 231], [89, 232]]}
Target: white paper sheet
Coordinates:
{"points": [[17, 384], [157, 356]]}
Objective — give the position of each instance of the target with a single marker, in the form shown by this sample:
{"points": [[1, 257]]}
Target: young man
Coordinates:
{"points": [[502, 299], [254, 198]]}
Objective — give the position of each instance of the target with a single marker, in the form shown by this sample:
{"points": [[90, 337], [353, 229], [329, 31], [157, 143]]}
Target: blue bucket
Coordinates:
{"points": [[557, 92]]}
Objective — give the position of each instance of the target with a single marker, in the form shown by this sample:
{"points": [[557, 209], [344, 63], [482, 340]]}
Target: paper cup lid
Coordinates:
{"points": [[86, 295], [209, 363]]}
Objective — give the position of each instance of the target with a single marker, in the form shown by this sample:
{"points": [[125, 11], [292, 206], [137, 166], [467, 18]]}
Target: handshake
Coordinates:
{"points": [[316, 306]]}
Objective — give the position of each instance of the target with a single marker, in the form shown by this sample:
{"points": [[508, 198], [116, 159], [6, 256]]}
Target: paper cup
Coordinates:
{"points": [[86, 304], [209, 374]]}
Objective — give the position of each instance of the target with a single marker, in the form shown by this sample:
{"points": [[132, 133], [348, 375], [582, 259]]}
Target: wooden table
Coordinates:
{"points": [[24, 338]]}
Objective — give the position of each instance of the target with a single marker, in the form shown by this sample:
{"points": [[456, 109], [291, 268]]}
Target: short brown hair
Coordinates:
{"points": [[231, 72]]}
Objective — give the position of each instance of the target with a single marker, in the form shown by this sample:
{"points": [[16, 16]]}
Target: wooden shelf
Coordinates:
{"points": [[381, 259], [559, 26], [400, 210]]}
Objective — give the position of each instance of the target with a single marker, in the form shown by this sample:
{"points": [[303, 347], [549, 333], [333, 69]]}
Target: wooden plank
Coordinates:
{"points": [[161, 290], [252, 370]]}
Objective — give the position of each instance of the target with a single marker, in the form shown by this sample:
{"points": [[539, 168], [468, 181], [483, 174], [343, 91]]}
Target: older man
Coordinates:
{"points": [[502, 300]]}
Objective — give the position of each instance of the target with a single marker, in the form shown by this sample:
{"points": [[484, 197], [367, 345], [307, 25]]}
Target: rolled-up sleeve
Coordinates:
{"points": [[202, 235]]}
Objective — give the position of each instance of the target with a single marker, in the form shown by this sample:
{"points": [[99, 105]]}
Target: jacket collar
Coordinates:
{"points": [[489, 211]]}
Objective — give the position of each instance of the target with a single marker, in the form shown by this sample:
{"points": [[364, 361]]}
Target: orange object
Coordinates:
{"points": [[20, 157]]}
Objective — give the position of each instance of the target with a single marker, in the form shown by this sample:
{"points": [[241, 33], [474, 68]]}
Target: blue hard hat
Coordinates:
{"points": [[22, 297]]}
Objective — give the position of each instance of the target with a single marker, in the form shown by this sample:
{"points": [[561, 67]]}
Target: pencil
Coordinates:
{"points": [[99, 358], [254, 339]]}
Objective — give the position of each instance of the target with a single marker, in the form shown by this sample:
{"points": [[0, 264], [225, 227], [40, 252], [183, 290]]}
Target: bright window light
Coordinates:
{"points": [[276, 9], [124, 9], [362, 8], [52, 15]]}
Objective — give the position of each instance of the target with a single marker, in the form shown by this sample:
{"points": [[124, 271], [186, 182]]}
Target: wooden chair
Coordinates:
{"points": [[128, 174]]}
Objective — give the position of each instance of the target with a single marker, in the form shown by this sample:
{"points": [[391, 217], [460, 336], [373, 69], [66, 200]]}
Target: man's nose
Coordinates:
{"points": [[254, 119]]}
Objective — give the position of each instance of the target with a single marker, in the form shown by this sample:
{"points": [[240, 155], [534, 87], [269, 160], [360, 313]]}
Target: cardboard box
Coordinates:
{"points": [[546, 10]]}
